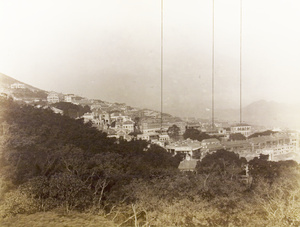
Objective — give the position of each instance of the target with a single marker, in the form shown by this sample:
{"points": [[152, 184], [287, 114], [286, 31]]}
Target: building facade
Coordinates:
{"points": [[243, 129]]}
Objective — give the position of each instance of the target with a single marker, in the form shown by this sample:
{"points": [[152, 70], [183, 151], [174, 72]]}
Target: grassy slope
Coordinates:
{"points": [[52, 219]]}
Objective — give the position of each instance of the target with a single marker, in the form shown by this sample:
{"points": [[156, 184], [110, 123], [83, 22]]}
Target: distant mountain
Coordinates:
{"points": [[271, 114], [20, 90]]}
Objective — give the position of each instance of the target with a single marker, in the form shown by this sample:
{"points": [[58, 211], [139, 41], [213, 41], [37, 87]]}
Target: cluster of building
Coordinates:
{"points": [[124, 122], [119, 125], [278, 146]]}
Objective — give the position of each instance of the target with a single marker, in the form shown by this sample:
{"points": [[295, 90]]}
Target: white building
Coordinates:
{"points": [[118, 117], [151, 130], [69, 98], [164, 138], [148, 136], [244, 129], [52, 98], [128, 126], [17, 86], [88, 117], [105, 118]]}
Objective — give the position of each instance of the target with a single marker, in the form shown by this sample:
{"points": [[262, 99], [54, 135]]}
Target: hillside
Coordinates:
{"points": [[53, 165], [20, 90], [74, 164], [7, 81], [31, 94], [264, 113]]}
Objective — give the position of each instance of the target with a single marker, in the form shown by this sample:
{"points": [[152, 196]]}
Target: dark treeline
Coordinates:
{"points": [[195, 134], [265, 133], [53, 162], [72, 110]]}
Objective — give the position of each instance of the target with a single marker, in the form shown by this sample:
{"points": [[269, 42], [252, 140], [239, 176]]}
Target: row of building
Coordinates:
{"points": [[279, 146]]}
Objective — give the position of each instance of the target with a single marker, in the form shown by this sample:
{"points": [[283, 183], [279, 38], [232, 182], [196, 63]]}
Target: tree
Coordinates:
{"points": [[264, 133], [237, 136], [137, 123], [191, 133], [72, 110], [223, 163], [173, 131], [195, 134]]}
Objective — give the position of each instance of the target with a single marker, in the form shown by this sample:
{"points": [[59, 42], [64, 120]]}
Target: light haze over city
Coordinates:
{"points": [[110, 50]]}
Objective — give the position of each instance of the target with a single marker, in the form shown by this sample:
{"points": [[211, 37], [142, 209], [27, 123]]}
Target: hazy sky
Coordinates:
{"points": [[110, 49]]}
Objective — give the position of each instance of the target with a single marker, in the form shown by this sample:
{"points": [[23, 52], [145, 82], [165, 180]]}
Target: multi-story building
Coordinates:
{"points": [[104, 118], [148, 136], [238, 146], [117, 116], [267, 142], [128, 126], [164, 138], [53, 98], [17, 86], [210, 146], [193, 125], [243, 129], [69, 97]]}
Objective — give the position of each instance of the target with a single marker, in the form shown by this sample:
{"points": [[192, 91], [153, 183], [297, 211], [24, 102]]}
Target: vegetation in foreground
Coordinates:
{"points": [[55, 166]]}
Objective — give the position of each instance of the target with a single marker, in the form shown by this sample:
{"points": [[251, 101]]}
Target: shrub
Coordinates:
{"points": [[17, 202]]}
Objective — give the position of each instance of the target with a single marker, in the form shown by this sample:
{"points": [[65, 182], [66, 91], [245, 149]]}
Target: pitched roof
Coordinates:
{"points": [[188, 165], [128, 122], [262, 139], [192, 144], [211, 140], [240, 125], [214, 146], [236, 143]]}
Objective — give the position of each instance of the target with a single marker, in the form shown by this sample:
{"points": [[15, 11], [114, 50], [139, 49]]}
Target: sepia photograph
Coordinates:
{"points": [[149, 113]]}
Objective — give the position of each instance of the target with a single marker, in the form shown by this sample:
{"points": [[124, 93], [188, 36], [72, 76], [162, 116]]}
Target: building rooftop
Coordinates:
{"points": [[240, 124], [194, 144], [188, 165], [212, 140], [214, 147], [274, 137], [236, 143], [128, 122]]}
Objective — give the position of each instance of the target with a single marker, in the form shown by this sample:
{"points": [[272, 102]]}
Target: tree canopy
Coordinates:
{"points": [[264, 133], [173, 131], [195, 134], [237, 136], [72, 110]]}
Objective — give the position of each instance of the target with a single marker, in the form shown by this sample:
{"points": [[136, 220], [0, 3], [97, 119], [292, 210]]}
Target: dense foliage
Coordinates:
{"points": [[237, 136], [51, 162], [72, 110], [173, 131], [195, 134], [264, 133]]}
